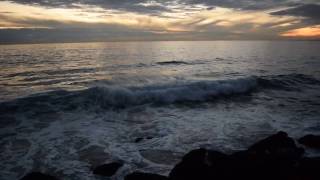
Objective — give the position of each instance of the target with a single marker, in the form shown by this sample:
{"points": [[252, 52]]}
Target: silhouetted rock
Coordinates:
{"points": [[309, 169], [276, 157], [198, 164], [310, 141], [144, 176], [277, 146], [192, 166], [107, 169], [38, 176]]}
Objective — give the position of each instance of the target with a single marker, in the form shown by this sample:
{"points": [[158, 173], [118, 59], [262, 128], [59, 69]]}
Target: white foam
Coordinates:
{"points": [[201, 91]]}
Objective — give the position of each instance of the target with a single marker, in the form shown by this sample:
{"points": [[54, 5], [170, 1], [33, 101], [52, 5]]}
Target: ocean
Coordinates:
{"points": [[66, 108]]}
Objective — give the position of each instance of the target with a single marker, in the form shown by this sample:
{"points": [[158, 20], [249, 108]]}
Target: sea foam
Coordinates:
{"points": [[111, 96]]}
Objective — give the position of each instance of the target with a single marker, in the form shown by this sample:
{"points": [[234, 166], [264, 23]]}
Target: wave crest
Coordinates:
{"points": [[121, 97], [110, 96]]}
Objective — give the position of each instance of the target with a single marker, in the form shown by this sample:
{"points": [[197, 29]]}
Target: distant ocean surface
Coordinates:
{"points": [[65, 108]]}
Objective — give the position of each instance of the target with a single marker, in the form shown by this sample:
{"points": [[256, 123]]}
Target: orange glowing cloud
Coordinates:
{"points": [[312, 31]]}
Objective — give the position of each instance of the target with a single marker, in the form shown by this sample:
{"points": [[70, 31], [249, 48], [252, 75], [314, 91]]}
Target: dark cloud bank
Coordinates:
{"points": [[311, 11], [161, 5]]}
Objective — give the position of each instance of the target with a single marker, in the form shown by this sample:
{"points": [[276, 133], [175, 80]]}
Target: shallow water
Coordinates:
{"points": [[65, 108]]}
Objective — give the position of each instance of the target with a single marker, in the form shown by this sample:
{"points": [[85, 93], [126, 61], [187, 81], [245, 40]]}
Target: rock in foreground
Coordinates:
{"points": [[107, 169], [144, 176], [277, 146], [38, 176], [276, 157], [310, 141]]}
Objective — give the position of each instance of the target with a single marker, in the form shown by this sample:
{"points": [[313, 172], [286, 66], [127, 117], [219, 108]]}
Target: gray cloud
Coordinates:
{"points": [[125, 5], [243, 4], [162, 5], [311, 11]]}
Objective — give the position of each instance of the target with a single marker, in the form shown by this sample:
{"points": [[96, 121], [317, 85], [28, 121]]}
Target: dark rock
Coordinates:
{"points": [[107, 169], [309, 168], [256, 166], [197, 164], [275, 157], [144, 176], [38, 176], [272, 158], [310, 141], [277, 146]]}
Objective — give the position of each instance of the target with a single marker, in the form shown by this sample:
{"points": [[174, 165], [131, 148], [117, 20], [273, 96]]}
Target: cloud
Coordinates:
{"points": [[158, 6], [138, 6], [156, 19], [162, 8], [312, 31], [243, 4], [311, 11]]}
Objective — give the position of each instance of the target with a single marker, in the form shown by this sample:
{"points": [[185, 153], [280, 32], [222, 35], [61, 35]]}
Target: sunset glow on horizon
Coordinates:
{"points": [[313, 31]]}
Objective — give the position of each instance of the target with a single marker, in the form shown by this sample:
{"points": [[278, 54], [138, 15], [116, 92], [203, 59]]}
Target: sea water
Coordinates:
{"points": [[66, 108]]}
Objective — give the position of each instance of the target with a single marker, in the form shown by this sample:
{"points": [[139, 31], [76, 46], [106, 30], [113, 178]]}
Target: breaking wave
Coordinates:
{"points": [[201, 91], [197, 91]]}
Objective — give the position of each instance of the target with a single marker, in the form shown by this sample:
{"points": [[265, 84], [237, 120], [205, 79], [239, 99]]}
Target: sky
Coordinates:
{"points": [[135, 20]]}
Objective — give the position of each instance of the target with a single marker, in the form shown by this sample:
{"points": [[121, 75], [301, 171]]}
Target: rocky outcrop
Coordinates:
{"points": [[144, 176], [38, 176], [310, 141], [107, 169], [276, 157]]}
